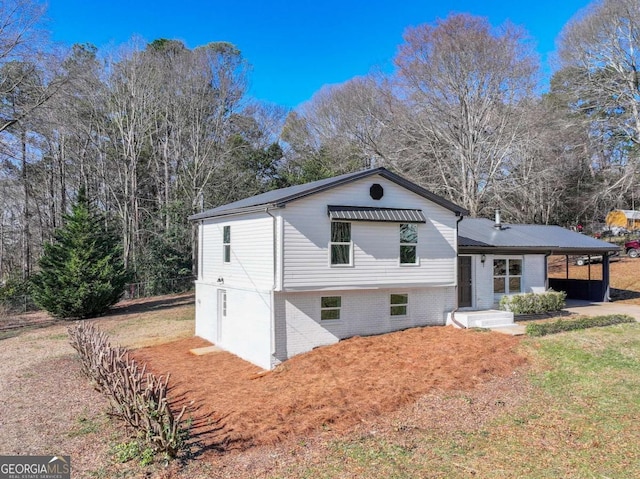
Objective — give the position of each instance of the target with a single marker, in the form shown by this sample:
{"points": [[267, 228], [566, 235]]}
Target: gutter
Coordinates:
{"points": [[453, 311]]}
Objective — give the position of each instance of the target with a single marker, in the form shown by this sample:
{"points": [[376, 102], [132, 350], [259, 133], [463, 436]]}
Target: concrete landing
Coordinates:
{"points": [[491, 318], [205, 350]]}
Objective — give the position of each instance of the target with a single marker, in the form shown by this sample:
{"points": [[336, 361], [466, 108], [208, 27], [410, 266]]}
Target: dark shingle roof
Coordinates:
{"points": [[481, 234], [279, 198]]}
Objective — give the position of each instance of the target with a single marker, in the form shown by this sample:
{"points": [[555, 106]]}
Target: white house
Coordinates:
{"points": [[289, 270], [363, 253], [497, 259]]}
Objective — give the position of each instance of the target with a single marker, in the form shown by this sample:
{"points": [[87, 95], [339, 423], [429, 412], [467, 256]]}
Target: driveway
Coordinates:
{"points": [[599, 309]]}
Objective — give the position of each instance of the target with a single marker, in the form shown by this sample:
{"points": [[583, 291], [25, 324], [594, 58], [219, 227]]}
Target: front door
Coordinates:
{"points": [[464, 282]]}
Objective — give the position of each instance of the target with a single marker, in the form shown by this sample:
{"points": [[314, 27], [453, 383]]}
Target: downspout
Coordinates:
{"points": [[453, 312], [274, 285]]}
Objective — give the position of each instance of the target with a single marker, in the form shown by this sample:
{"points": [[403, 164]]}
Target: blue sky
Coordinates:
{"points": [[295, 47]]}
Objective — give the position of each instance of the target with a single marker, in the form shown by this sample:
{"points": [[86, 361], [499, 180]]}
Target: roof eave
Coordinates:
{"points": [[235, 211], [551, 250]]}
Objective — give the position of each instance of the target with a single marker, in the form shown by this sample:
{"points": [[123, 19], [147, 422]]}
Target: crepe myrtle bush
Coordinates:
{"points": [[534, 303], [136, 396]]}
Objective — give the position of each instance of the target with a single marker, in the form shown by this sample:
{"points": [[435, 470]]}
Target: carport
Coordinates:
{"points": [[590, 289], [482, 237]]}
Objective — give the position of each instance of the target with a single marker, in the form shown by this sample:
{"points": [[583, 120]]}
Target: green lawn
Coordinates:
{"points": [[581, 421]]}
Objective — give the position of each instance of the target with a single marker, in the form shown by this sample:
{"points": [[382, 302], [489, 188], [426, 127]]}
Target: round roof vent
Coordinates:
{"points": [[376, 191]]}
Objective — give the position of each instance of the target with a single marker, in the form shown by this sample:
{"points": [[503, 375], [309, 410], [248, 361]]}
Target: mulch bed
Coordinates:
{"points": [[235, 406]]}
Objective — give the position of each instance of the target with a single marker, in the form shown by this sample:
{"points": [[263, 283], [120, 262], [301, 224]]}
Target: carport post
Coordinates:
{"points": [[605, 276], [566, 264]]}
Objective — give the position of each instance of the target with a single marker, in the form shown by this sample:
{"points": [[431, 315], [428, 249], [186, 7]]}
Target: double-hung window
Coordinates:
{"points": [[340, 245], [408, 243], [507, 276], [398, 304], [226, 244], [330, 307]]}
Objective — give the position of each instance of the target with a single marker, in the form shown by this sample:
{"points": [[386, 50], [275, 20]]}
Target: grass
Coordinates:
{"points": [[581, 422]]}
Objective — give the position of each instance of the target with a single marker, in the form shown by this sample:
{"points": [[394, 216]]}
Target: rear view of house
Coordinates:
{"points": [[292, 269]]}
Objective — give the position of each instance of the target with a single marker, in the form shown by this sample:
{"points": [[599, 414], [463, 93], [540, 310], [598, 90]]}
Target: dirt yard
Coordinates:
{"points": [[333, 387]]}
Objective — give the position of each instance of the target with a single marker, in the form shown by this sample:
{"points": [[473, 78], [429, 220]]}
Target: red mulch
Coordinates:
{"points": [[336, 387]]}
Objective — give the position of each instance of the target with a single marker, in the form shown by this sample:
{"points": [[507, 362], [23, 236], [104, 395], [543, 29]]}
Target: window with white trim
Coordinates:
{"points": [[507, 276], [398, 304], [226, 244], [408, 243], [340, 245], [330, 307]]}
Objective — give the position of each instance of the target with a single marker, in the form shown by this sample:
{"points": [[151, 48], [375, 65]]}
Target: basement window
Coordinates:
{"points": [[330, 307], [398, 304]]}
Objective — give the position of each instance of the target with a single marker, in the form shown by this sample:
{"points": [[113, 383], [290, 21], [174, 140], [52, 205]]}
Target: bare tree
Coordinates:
{"points": [[463, 83], [601, 47], [599, 52]]}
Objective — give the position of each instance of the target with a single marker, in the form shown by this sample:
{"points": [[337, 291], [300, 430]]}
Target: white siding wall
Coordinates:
{"points": [[533, 277], [246, 329], [376, 245], [251, 263], [299, 328]]}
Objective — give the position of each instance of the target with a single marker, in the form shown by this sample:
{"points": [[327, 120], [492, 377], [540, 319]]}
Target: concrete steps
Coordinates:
{"points": [[491, 318]]}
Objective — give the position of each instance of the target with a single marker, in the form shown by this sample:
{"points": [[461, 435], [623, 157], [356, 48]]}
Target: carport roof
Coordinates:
{"points": [[482, 236]]}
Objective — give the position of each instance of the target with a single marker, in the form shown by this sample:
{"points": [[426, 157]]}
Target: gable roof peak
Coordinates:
{"points": [[279, 198]]}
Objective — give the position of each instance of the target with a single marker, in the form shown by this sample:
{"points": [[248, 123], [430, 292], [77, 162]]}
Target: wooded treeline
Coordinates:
{"points": [[157, 131]]}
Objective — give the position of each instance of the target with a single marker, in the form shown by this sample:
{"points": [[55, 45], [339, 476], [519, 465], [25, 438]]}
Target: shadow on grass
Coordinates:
{"points": [[207, 432], [155, 304]]}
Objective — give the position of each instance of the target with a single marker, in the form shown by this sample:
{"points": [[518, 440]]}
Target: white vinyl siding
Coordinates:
{"points": [[375, 256], [250, 247]]}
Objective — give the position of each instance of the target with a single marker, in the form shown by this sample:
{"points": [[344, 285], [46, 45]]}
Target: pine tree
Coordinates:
{"points": [[82, 272]]}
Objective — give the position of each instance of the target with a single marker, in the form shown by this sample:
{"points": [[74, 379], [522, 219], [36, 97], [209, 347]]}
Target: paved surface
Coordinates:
{"points": [[598, 309]]}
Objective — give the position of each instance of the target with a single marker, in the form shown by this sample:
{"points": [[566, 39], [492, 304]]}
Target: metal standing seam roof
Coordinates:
{"points": [[365, 213], [279, 198], [480, 233]]}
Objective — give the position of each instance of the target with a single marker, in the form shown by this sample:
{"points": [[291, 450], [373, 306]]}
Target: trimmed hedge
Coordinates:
{"points": [[534, 303], [542, 329]]}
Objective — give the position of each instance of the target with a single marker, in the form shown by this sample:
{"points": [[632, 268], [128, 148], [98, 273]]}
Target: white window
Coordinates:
{"points": [[507, 276], [398, 304], [330, 307], [340, 245], [408, 243], [226, 244]]}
